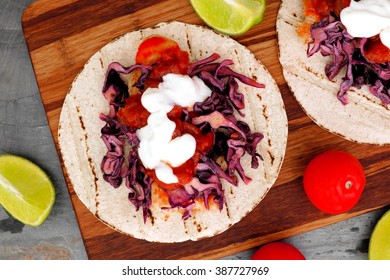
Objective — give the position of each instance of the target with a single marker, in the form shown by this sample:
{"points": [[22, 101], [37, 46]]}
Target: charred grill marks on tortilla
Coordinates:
{"points": [[232, 138]]}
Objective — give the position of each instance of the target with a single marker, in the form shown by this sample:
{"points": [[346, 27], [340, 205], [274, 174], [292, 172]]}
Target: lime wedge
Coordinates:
{"points": [[379, 248], [232, 17], [26, 192]]}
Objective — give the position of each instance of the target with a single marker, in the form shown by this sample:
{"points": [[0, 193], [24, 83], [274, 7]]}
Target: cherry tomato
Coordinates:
{"points": [[278, 251], [334, 181]]}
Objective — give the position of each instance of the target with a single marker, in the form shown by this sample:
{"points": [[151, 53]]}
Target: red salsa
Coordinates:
{"points": [[375, 51], [322, 8], [166, 57], [133, 113]]}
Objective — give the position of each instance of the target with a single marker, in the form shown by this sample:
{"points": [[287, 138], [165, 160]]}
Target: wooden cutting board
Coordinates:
{"points": [[62, 35]]}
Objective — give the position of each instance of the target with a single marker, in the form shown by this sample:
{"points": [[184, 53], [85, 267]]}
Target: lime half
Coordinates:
{"points": [[232, 17], [379, 248], [26, 192]]}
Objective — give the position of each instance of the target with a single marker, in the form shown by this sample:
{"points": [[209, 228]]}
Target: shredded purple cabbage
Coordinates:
{"points": [[329, 37], [114, 135], [139, 184], [233, 138]]}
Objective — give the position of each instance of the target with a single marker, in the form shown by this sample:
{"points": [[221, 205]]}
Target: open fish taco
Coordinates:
{"points": [[331, 76], [110, 179]]}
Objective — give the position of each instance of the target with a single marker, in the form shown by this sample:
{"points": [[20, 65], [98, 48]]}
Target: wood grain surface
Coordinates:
{"points": [[62, 35]]}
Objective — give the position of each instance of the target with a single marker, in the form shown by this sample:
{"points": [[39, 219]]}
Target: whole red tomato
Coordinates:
{"points": [[334, 181], [278, 251]]}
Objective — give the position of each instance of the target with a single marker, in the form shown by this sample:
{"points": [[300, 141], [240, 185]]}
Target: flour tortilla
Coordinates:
{"points": [[83, 150], [364, 119]]}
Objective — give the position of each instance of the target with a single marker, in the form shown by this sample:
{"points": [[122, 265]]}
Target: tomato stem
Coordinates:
{"points": [[348, 185]]}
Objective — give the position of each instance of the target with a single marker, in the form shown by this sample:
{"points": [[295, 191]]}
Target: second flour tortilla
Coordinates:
{"points": [[364, 119], [82, 148]]}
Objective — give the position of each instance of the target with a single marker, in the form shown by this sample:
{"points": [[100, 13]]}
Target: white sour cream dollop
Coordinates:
{"points": [[368, 18], [157, 149]]}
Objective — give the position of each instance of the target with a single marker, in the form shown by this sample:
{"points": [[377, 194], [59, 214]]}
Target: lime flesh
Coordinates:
{"points": [[379, 248], [26, 192], [231, 17]]}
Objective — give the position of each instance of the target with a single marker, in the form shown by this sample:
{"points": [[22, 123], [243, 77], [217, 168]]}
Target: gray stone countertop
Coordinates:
{"points": [[24, 131]]}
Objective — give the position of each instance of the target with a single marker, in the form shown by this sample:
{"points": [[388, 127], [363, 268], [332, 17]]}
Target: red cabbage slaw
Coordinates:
{"points": [[233, 138], [330, 38]]}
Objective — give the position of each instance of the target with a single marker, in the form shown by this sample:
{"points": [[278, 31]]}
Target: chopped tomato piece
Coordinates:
{"points": [[341, 4], [151, 49], [184, 174], [317, 7], [375, 51], [133, 113], [322, 8], [186, 171], [175, 113], [204, 142], [164, 55], [151, 83]]}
